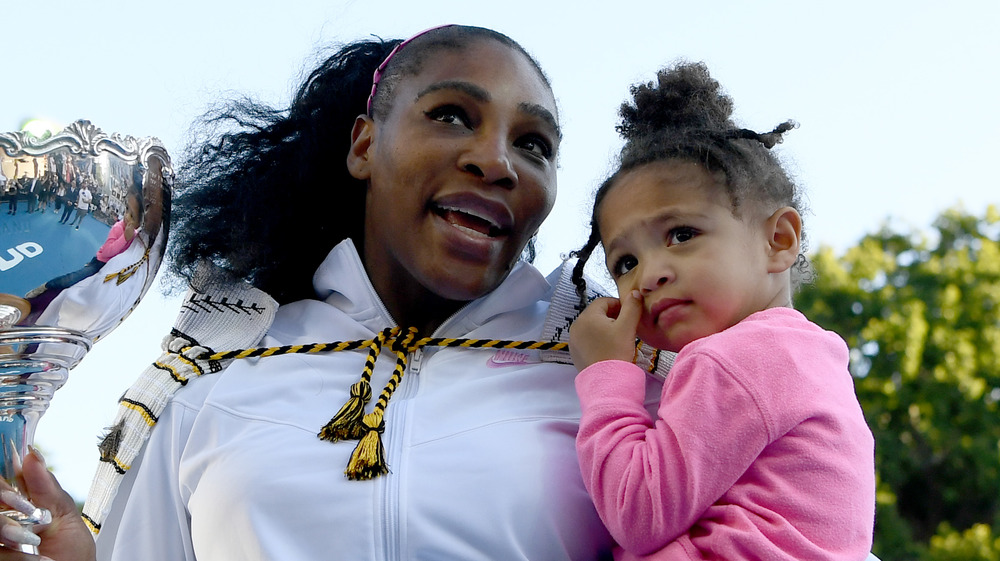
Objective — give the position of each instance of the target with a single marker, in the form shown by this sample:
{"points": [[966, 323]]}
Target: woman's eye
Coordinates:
{"points": [[623, 265], [536, 146], [681, 235], [449, 114]]}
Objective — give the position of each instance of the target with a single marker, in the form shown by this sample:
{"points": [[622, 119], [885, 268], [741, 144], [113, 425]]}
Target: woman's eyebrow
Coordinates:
{"points": [[481, 94], [472, 90], [542, 113]]}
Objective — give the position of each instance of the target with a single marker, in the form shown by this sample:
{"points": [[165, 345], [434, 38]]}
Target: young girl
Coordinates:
{"points": [[759, 449]]}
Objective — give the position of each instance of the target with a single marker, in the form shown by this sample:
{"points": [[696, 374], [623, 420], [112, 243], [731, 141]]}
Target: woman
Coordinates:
{"points": [[451, 168]]}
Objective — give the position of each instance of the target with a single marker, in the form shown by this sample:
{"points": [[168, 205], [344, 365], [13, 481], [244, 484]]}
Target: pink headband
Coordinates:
{"points": [[377, 77]]}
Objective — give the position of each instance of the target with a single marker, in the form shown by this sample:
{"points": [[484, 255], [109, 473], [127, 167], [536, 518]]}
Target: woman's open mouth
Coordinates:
{"points": [[483, 219]]}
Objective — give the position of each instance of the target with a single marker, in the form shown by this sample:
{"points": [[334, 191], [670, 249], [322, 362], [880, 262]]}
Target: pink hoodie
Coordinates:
{"points": [[115, 244], [760, 451]]}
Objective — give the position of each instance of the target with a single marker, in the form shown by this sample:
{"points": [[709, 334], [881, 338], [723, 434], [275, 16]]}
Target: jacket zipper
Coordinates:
{"points": [[393, 438], [393, 441]]}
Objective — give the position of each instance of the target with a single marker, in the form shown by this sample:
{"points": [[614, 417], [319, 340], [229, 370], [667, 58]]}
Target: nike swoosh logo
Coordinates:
{"points": [[507, 357]]}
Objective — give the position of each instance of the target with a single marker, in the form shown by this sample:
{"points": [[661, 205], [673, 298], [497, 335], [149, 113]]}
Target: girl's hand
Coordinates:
{"points": [[66, 538], [605, 330], [129, 229]]}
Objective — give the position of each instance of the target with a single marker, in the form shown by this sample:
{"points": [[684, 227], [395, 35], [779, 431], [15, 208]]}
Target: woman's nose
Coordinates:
{"points": [[490, 159]]}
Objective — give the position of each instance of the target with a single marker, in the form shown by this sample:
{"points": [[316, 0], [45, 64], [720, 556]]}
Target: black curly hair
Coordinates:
{"points": [[265, 193], [684, 115]]}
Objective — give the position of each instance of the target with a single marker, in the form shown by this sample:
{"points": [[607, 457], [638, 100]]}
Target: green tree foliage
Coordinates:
{"points": [[921, 315]]}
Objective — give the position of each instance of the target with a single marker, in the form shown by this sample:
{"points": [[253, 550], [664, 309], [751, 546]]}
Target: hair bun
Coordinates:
{"points": [[684, 96]]}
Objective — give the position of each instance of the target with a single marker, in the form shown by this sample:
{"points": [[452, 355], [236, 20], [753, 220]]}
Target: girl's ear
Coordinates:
{"points": [[359, 157], [784, 236]]}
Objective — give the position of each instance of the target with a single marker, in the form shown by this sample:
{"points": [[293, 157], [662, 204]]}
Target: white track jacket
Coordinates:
{"points": [[479, 443]]}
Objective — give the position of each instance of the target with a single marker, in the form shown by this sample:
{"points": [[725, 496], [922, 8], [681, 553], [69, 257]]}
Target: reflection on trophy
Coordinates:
{"points": [[83, 224]]}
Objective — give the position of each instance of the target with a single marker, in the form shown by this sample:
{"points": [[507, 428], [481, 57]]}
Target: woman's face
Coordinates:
{"points": [[461, 173]]}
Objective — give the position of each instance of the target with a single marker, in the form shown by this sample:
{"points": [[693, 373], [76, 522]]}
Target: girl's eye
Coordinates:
{"points": [[623, 265], [680, 234], [536, 146], [449, 114]]}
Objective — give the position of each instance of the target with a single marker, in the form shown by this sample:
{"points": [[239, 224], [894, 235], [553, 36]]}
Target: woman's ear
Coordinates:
{"points": [[358, 158], [784, 229]]}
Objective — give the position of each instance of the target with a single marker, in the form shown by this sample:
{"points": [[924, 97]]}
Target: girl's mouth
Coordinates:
{"points": [[662, 311]]}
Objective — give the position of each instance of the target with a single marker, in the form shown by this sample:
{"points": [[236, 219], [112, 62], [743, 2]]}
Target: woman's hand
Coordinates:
{"points": [[66, 538], [605, 330]]}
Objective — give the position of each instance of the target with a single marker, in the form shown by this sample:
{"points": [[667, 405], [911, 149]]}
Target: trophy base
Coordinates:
{"points": [[34, 363]]}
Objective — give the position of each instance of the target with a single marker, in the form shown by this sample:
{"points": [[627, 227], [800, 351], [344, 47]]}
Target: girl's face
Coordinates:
{"points": [[133, 214], [669, 232], [461, 173]]}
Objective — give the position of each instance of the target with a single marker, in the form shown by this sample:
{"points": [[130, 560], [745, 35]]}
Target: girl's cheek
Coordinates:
{"points": [[646, 330]]}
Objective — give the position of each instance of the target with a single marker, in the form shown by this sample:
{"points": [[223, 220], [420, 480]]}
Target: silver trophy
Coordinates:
{"points": [[83, 223]]}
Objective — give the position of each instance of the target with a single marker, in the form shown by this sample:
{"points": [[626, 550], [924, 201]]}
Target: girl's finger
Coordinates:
{"points": [[631, 310]]}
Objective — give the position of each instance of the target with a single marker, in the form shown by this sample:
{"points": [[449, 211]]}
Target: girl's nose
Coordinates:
{"points": [[655, 276]]}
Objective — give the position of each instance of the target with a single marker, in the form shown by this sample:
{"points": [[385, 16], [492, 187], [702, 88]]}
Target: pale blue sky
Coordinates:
{"points": [[896, 102]]}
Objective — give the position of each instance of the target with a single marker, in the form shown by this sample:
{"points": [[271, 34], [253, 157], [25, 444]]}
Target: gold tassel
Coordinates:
{"points": [[368, 459], [346, 424], [108, 446], [127, 272]]}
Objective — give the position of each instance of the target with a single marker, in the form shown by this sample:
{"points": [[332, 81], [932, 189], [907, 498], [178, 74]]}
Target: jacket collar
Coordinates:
{"points": [[341, 281]]}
